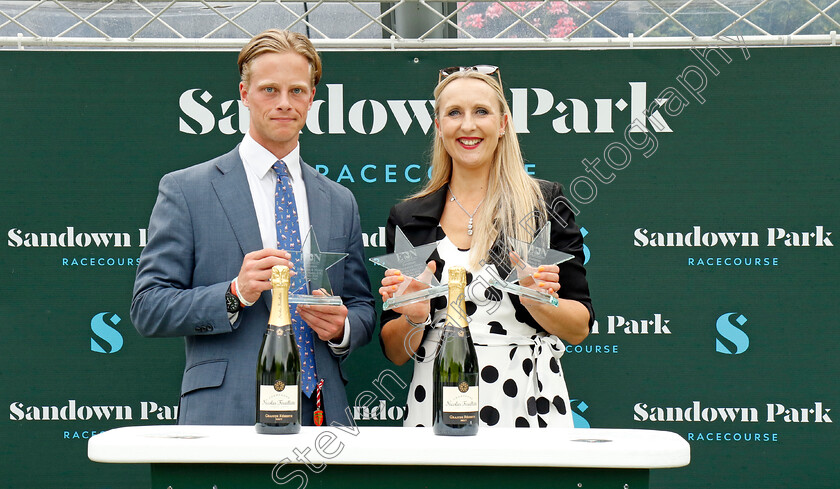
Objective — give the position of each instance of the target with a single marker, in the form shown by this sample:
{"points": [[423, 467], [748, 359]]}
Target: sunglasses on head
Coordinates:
{"points": [[488, 70]]}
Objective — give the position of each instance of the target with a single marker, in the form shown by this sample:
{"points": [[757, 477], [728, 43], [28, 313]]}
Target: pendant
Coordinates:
{"points": [[319, 417], [469, 228]]}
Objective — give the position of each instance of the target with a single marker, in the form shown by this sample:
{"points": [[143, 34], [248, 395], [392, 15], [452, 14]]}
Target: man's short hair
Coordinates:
{"points": [[277, 41]]}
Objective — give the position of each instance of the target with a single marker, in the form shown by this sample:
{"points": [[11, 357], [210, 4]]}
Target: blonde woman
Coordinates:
{"points": [[478, 196]]}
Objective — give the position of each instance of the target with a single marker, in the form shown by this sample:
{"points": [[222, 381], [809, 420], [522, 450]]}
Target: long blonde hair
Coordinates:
{"points": [[513, 205]]}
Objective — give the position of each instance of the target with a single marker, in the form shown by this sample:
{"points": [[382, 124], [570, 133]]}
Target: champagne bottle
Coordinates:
{"points": [[455, 373], [278, 365]]}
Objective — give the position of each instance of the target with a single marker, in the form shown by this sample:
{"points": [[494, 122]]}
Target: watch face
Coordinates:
{"points": [[233, 304]]}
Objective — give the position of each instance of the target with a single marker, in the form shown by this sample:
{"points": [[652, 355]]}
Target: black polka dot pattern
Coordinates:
{"points": [[560, 404], [496, 328], [438, 303], [489, 415], [489, 374], [420, 393], [527, 365], [554, 366], [493, 294], [543, 405], [510, 388], [522, 422], [531, 405]]}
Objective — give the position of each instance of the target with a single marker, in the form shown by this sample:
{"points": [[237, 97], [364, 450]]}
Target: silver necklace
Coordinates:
{"points": [[470, 224]]}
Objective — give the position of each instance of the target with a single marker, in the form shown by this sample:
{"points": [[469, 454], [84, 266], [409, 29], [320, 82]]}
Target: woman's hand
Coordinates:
{"points": [[399, 337], [395, 283], [545, 279], [569, 320]]}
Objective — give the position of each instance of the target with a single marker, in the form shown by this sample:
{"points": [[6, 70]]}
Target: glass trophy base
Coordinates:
{"points": [[422, 295], [526, 292], [321, 300]]}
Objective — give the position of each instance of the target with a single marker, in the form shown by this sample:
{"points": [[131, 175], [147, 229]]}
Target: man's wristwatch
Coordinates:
{"points": [[233, 304]]}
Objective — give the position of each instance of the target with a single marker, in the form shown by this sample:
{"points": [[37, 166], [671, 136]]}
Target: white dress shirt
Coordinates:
{"points": [[262, 180]]}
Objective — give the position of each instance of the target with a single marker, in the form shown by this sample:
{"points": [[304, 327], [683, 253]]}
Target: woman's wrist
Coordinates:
{"points": [[419, 324]]}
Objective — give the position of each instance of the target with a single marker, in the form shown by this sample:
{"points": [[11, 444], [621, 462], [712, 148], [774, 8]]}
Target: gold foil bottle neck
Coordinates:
{"points": [[280, 277], [457, 277], [280, 281], [456, 311]]}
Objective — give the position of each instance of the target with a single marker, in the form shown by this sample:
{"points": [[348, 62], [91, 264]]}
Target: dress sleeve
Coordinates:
{"points": [[566, 237]]}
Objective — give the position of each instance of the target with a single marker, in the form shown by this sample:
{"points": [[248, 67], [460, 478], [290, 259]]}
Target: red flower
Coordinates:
{"points": [[558, 8], [474, 20], [518, 7], [564, 26], [494, 11]]}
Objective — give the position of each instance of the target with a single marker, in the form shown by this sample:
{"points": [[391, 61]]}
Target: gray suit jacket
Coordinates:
{"points": [[202, 225]]}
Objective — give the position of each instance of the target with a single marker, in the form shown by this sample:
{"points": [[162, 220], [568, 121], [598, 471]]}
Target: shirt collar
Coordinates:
{"points": [[261, 160]]}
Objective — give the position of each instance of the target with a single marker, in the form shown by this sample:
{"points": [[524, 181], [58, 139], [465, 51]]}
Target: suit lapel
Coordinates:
{"points": [[235, 198], [319, 202], [421, 226]]}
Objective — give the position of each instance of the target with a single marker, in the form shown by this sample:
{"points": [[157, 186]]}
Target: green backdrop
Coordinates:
{"points": [[710, 244]]}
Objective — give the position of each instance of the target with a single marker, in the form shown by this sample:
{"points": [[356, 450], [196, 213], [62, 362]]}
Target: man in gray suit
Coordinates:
{"points": [[213, 239]]}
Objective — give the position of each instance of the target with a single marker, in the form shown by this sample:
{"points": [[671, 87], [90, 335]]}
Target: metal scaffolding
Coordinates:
{"points": [[417, 24]]}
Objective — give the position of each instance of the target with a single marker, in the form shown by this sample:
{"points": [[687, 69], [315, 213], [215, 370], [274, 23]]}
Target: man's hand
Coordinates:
{"points": [[255, 273], [326, 321]]}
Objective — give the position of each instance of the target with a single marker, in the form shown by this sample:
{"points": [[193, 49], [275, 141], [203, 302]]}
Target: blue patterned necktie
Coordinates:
{"points": [[288, 238]]}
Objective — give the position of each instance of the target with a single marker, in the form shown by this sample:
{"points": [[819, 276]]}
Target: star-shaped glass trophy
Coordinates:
{"points": [[412, 262], [315, 266], [525, 261]]}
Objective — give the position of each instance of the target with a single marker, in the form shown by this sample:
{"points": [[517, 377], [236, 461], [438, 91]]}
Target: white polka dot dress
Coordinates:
{"points": [[521, 381]]}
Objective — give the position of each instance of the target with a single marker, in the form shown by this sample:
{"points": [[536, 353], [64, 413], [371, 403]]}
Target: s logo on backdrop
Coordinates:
{"points": [[736, 340], [107, 339], [578, 407], [586, 254]]}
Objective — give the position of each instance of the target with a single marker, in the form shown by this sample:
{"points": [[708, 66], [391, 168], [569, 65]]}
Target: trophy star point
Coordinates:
{"points": [[409, 259], [537, 252], [317, 262]]}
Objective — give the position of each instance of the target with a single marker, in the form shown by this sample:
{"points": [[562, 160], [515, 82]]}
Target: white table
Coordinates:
{"points": [[236, 456]]}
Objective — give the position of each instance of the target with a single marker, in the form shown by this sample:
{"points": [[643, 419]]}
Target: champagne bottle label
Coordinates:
{"points": [[278, 403], [460, 403]]}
